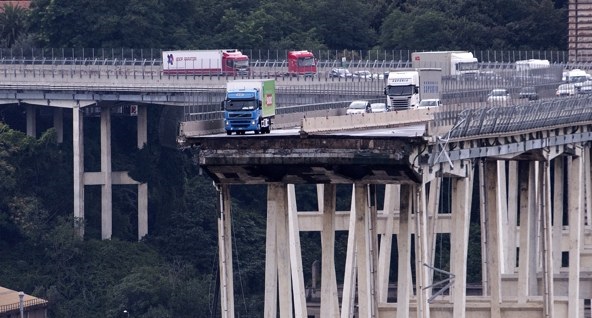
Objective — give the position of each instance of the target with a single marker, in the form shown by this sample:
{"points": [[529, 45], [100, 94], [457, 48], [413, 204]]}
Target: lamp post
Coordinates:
{"points": [[126, 313]]}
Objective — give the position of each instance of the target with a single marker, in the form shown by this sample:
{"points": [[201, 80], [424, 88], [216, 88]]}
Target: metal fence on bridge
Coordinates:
{"points": [[556, 112], [130, 56]]}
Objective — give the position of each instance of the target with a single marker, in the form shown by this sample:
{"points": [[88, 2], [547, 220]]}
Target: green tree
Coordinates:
{"points": [[13, 24]]}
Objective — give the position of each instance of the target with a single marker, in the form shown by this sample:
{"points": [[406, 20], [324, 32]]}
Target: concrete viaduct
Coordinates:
{"points": [[529, 165]]}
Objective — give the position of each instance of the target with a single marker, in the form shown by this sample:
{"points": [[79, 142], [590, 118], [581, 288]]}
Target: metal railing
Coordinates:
{"points": [[534, 115]]}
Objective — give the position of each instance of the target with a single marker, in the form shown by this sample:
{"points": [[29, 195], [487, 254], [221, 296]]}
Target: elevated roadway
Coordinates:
{"points": [[513, 154]]}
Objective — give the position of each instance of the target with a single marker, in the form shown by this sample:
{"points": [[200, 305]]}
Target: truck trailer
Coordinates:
{"points": [[249, 106], [405, 89], [453, 63], [205, 62], [301, 63]]}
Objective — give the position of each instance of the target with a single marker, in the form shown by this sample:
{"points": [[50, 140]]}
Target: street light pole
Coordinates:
{"points": [[126, 313]]}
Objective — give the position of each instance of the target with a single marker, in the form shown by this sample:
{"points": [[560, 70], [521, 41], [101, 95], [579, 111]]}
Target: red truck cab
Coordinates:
{"points": [[301, 63], [235, 63]]}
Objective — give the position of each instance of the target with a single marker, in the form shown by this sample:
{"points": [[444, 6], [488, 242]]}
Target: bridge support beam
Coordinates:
{"points": [[225, 253], [58, 124], [31, 112], [142, 135], [492, 232], [461, 215], [576, 221], [527, 268], [78, 168], [107, 180], [547, 240], [329, 296], [404, 280]]}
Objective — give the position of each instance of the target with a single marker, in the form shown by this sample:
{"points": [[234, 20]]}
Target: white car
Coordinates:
{"points": [[430, 103], [378, 108], [566, 90], [362, 74], [358, 107], [499, 96]]}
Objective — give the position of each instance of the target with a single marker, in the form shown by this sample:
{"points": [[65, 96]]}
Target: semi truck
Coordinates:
{"points": [[405, 89], [249, 105], [458, 64], [301, 63], [205, 62]]}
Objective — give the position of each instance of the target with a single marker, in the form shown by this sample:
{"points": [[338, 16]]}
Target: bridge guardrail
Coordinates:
{"points": [[496, 121]]}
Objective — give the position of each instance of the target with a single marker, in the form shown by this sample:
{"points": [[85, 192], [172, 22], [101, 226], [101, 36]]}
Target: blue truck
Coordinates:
{"points": [[249, 106]]}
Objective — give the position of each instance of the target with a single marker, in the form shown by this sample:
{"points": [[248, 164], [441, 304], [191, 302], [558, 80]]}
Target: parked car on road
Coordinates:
{"points": [[340, 73], [499, 97], [528, 92], [358, 107], [378, 108]]}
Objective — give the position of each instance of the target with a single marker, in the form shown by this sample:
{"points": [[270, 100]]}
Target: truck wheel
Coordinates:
{"points": [[228, 132], [258, 130]]}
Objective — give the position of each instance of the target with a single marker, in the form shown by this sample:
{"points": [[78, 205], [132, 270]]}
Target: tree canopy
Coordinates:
{"points": [[289, 24]]}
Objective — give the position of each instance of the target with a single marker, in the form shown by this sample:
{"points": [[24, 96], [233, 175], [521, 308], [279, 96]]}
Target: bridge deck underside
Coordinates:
{"points": [[258, 159]]}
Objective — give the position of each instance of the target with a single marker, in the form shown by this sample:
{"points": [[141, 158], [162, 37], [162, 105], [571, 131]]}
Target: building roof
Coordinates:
{"points": [[9, 300], [15, 3]]}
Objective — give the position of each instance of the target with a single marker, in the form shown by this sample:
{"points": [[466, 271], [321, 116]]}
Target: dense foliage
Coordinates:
{"points": [[288, 24]]}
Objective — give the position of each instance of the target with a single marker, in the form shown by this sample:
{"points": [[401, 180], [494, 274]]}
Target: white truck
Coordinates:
{"points": [[405, 89], [205, 62], [461, 64]]}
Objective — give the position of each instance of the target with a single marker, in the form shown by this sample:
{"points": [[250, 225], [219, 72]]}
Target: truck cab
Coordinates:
{"points": [[234, 62], [301, 63], [402, 90]]}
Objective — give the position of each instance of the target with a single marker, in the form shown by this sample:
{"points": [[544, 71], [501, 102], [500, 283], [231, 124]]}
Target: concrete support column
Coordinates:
{"points": [[106, 187], [143, 187], [58, 123], [78, 168], [512, 217], [527, 280], [547, 240], [484, 218], [31, 121], [274, 202], [502, 206], [576, 220], [391, 206], [296, 255], [283, 253], [421, 255], [558, 193], [349, 279], [366, 304], [225, 253], [461, 216], [586, 157], [493, 231], [404, 254], [329, 297], [432, 214]]}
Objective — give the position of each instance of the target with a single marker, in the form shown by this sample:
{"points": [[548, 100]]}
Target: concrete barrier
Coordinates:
{"points": [[369, 120]]}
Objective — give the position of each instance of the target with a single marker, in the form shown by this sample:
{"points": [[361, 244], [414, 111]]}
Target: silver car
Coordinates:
{"points": [[358, 107], [378, 108], [499, 96]]}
